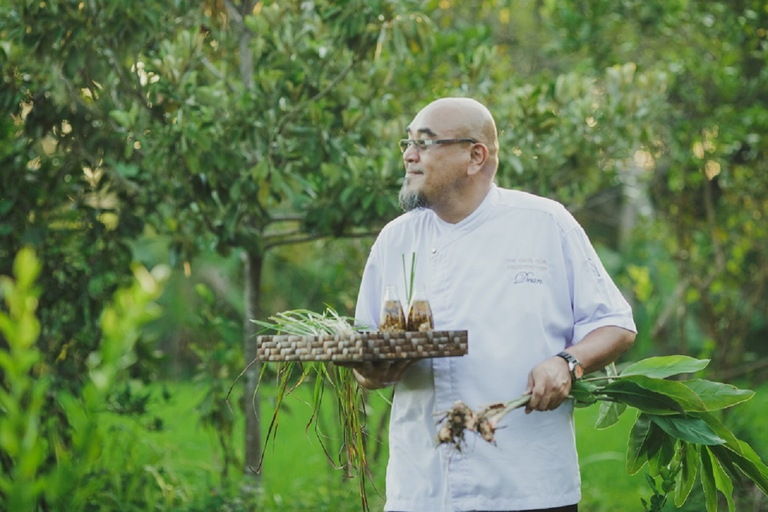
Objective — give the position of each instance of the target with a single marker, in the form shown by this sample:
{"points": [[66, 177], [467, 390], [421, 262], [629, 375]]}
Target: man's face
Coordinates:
{"points": [[434, 173]]}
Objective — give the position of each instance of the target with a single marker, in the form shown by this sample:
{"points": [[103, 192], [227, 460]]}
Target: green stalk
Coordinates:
{"points": [[349, 397], [413, 274], [409, 283], [405, 278]]}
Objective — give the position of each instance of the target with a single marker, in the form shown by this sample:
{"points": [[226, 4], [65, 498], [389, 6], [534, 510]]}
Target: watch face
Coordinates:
{"points": [[578, 371]]}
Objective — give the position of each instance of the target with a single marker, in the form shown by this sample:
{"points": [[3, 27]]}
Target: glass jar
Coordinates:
{"points": [[392, 318], [419, 311]]}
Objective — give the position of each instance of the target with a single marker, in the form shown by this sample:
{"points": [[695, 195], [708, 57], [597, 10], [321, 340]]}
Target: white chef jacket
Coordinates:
{"points": [[520, 275]]}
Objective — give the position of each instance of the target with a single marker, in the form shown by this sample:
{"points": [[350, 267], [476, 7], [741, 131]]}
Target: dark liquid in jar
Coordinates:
{"points": [[420, 317], [392, 317]]}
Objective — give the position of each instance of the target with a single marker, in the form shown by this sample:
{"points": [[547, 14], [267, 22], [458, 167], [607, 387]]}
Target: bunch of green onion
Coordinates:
{"points": [[349, 397]]}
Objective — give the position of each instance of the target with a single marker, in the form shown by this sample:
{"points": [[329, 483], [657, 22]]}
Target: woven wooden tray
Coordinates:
{"points": [[364, 346]]}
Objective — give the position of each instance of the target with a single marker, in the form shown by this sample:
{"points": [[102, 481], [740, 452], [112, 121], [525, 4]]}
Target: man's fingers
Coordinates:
{"points": [[533, 403], [398, 368], [379, 374], [548, 386], [529, 387]]}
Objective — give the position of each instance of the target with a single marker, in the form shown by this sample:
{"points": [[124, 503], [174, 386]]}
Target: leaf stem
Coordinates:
{"points": [[512, 405]]}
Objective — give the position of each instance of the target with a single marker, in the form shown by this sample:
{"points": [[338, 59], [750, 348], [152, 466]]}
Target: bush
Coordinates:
{"points": [[54, 451]]}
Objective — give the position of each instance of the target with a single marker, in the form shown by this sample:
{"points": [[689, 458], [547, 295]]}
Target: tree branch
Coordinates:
{"points": [[234, 12], [742, 370], [215, 72], [244, 40], [712, 223], [666, 314], [289, 217], [295, 110], [299, 238]]}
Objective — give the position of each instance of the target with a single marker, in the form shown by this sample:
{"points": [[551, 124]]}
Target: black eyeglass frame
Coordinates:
{"points": [[423, 144]]}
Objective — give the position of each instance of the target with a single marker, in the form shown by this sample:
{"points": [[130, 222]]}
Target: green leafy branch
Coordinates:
{"points": [[677, 432]]}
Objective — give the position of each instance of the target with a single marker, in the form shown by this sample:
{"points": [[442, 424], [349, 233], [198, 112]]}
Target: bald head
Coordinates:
{"points": [[463, 117], [453, 175]]}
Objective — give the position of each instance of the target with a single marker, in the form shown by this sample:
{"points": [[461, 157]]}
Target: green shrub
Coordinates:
{"points": [[55, 452]]}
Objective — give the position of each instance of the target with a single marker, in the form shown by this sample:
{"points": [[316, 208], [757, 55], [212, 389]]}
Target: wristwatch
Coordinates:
{"points": [[574, 365]]}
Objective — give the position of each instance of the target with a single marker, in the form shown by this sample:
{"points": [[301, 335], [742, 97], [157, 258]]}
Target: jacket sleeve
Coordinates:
{"points": [[596, 300]]}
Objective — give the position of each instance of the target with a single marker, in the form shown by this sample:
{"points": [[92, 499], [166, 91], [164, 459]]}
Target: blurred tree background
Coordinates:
{"points": [[250, 147]]}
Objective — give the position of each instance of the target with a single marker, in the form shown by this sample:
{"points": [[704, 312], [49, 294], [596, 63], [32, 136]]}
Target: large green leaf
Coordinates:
{"points": [[688, 428], [721, 431], [637, 437], [645, 440], [583, 393], [751, 464], [665, 366], [609, 414], [646, 400], [746, 460], [716, 395], [677, 391], [686, 477], [664, 455], [737, 454], [708, 480], [722, 481]]}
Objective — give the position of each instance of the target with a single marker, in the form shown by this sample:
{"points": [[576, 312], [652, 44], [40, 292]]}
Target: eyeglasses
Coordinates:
{"points": [[423, 144]]}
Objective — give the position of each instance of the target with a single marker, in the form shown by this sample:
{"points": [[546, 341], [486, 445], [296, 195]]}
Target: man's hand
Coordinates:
{"points": [[550, 381], [548, 384], [379, 374]]}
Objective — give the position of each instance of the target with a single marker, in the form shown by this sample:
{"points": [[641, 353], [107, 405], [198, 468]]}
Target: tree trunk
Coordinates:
{"points": [[254, 260], [252, 274], [634, 201]]}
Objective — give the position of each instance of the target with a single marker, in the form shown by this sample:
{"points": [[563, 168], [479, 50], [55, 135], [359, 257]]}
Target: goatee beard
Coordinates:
{"points": [[411, 200]]}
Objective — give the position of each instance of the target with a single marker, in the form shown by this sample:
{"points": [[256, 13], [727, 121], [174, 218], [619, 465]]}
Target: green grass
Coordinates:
{"points": [[297, 476], [605, 484], [296, 473]]}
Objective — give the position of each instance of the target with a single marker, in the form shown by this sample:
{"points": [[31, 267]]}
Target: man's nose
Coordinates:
{"points": [[411, 154]]}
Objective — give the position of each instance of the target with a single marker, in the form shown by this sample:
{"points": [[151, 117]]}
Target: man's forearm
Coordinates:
{"points": [[602, 346]]}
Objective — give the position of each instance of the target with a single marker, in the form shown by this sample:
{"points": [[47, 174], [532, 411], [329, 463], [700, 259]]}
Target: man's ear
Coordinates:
{"points": [[477, 158]]}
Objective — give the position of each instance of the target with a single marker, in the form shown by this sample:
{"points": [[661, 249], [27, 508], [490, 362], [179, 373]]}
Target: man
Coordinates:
{"points": [[519, 274]]}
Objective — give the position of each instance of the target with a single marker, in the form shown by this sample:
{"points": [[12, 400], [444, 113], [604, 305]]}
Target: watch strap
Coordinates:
{"points": [[574, 365]]}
